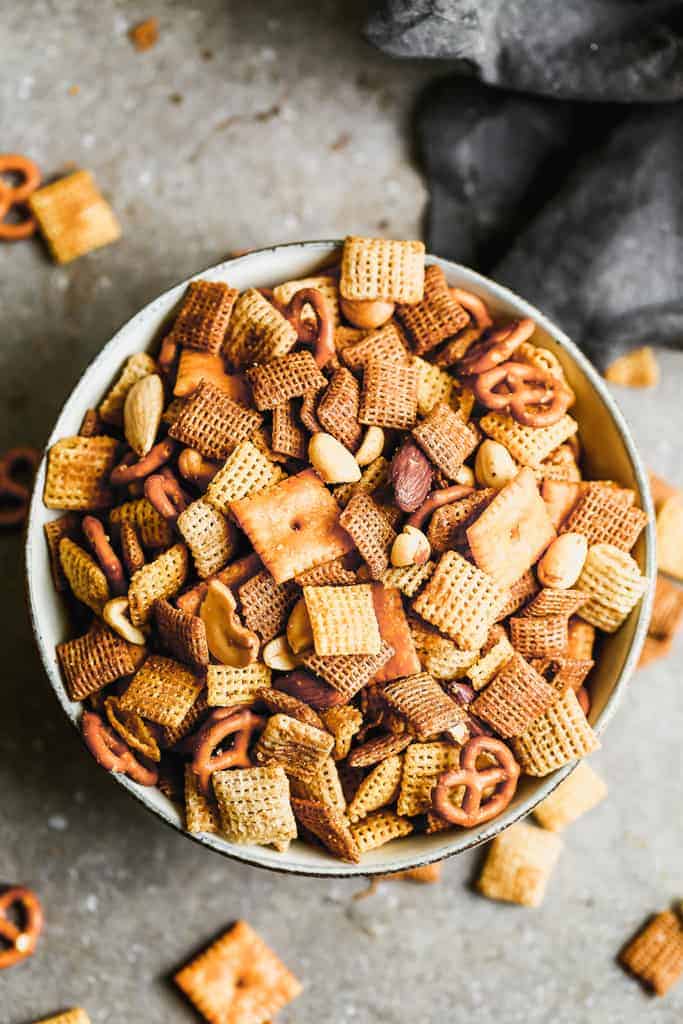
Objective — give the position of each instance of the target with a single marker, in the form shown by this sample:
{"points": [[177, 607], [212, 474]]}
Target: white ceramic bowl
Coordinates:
{"points": [[609, 453]]}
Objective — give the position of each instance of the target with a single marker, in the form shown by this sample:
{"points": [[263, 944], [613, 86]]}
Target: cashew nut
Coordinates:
{"points": [[332, 461], [371, 447], [367, 313], [299, 631], [562, 563], [116, 613], [277, 655], [411, 547], [228, 640]]}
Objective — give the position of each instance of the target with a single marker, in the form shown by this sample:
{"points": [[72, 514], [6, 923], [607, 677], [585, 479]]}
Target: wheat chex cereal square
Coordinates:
{"points": [[379, 828], [519, 865], [579, 793], [257, 332], [293, 525], [94, 660], [655, 955], [289, 437], [338, 407], [254, 806], [343, 620], [604, 519], [159, 579], [213, 423], [266, 604], [284, 378], [135, 368], [377, 790], [512, 533], [280, 702], [323, 788], [448, 524], [73, 216], [381, 268], [539, 637], [348, 673], [201, 815], [530, 446], [372, 533], [329, 826], [446, 439], [515, 698], [460, 600], [209, 535], [378, 749], [182, 635], [203, 316], [299, 748], [238, 979], [667, 609], [386, 344], [153, 530], [436, 317], [162, 690], [246, 471], [333, 573], [426, 708], [389, 396], [560, 735], [78, 471]]}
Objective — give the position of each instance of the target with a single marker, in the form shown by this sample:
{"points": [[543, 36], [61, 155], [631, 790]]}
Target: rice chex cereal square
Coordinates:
{"points": [[343, 620], [460, 600]]}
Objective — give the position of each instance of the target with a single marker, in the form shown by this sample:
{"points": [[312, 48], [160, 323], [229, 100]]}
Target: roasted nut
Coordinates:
{"points": [[277, 655], [371, 447], [116, 613], [562, 563], [194, 467], [142, 413], [465, 475], [299, 632], [228, 640], [411, 476], [411, 547], [332, 461], [367, 313], [494, 466]]}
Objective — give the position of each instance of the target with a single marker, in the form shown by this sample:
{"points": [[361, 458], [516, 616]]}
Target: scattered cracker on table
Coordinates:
{"points": [[73, 216], [580, 792], [238, 979], [636, 369], [519, 864], [655, 955]]}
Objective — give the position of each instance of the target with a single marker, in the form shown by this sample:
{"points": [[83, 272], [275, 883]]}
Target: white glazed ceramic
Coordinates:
{"points": [[609, 453]]}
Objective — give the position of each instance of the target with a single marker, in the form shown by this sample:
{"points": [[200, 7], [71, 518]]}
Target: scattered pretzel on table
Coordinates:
{"points": [[15, 496], [12, 196], [475, 810], [19, 942]]}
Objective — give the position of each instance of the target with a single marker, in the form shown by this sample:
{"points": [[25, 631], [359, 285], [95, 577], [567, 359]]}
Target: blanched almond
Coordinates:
{"points": [[332, 461], [142, 413]]}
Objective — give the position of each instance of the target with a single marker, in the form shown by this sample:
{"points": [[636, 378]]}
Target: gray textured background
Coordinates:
{"points": [[246, 125]]}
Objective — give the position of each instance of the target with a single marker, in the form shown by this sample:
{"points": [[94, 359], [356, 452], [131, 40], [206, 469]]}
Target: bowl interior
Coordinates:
{"points": [[608, 453]]}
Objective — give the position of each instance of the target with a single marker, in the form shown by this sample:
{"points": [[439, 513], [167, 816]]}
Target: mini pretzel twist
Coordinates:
{"points": [[534, 397], [164, 492], [475, 810], [321, 337], [15, 496], [495, 347], [434, 500], [130, 468], [21, 941], [11, 196], [474, 305], [109, 561], [223, 722], [110, 751]]}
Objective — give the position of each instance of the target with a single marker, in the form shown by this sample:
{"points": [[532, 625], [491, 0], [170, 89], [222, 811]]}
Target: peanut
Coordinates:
{"points": [[562, 563], [332, 461], [367, 313], [494, 466], [228, 640], [116, 614], [277, 655], [371, 447], [411, 547], [465, 476], [299, 631]]}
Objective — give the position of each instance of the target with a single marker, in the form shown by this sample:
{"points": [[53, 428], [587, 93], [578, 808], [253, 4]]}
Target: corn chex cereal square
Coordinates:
{"points": [[423, 763], [343, 620], [73, 216], [258, 332], [202, 319], [512, 533], [436, 317], [560, 735], [254, 806], [378, 789], [380, 268], [580, 792], [298, 747], [433, 385], [84, 575], [159, 579], [153, 530], [78, 470], [614, 585], [162, 690], [209, 535], [293, 525], [389, 396], [529, 446], [323, 788], [519, 865], [380, 828], [460, 600], [238, 979], [655, 955], [229, 687], [201, 815], [421, 701]]}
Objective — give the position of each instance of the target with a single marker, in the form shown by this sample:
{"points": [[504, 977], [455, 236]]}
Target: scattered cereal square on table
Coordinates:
{"points": [[669, 528], [519, 865], [580, 792], [343, 620], [293, 525], [636, 369], [73, 216], [238, 979], [655, 955]]}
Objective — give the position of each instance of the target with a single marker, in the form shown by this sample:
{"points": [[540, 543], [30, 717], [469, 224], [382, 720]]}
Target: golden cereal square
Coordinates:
{"points": [[529, 446], [580, 792], [519, 865], [382, 268], [461, 601], [343, 620], [380, 828], [254, 806], [78, 470], [74, 217], [162, 690], [293, 525], [201, 815], [238, 979]]}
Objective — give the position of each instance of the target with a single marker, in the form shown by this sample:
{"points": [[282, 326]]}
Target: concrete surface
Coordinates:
{"points": [[250, 124]]}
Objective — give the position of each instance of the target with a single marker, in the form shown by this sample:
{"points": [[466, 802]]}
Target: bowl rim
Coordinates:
{"points": [[338, 869]]}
